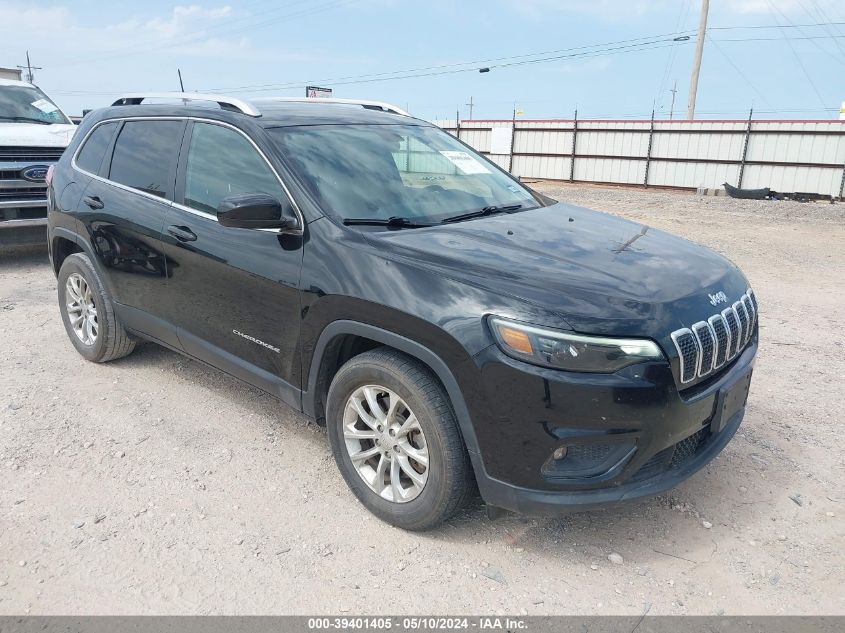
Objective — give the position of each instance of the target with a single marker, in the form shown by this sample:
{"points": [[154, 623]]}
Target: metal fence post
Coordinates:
{"points": [[745, 149], [842, 185], [648, 151], [574, 140]]}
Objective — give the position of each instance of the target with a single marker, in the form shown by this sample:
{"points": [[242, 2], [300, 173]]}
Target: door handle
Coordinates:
{"points": [[93, 202], [182, 233]]}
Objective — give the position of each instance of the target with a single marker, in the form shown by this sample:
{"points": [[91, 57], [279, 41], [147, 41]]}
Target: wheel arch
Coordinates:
{"points": [[337, 332], [62, 238], [62, 244]]}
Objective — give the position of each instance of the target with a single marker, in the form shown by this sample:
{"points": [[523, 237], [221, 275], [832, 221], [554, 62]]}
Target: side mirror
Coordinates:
{"points": [[256, 211]]}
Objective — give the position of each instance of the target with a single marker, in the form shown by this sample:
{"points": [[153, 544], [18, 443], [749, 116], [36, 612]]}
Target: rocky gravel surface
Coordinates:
{"points": [[156, 485]]}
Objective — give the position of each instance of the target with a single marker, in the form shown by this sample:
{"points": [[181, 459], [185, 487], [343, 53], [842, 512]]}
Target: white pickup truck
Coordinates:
{"points": [[33, 134]]}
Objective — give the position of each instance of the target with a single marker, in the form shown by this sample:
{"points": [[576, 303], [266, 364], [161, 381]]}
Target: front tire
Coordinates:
{"points": [[88, 314], [396, 441]]}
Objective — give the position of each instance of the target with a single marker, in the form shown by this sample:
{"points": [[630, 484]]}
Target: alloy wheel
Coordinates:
{"points": [[81, 310], [386, 443]]}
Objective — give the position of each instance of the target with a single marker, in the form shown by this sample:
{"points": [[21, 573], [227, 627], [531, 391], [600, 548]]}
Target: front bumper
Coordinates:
{"points": [[23, 222], [642, 434]]}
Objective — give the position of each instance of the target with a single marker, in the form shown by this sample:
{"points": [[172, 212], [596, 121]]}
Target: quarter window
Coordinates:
{"points": [[221, 163], [145, 156], [91, 155]]}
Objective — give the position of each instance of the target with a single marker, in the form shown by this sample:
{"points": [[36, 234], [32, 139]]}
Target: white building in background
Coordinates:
{"points": [[15, 73]]}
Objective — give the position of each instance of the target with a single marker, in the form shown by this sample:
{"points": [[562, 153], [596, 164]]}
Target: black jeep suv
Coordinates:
{"points": [[449, 326]]}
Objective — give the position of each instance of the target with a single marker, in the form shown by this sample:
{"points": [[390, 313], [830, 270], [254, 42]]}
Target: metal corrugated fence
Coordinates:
{"points": [[787, 156]]}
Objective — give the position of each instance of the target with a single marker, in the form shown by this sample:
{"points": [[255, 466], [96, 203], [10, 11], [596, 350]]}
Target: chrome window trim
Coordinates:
{"points": [[695, 328], [713, 318], [202, 214], [675, 336]]}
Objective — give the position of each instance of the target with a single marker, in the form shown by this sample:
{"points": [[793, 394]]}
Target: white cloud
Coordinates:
{"points": [[189, 30]]}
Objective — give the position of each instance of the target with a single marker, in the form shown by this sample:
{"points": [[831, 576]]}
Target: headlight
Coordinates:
{"points": [[569, 351]]}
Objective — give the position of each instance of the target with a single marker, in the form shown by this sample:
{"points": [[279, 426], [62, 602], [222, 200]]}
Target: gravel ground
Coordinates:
{"points": [[156, 485]]}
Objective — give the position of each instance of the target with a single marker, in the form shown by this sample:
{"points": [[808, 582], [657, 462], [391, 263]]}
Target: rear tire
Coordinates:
{"points": [[419, 474], [88, 314]]}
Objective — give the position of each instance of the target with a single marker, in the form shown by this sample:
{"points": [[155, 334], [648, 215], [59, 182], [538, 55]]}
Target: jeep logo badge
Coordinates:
{"points": [[716, 299], [36, 173]]}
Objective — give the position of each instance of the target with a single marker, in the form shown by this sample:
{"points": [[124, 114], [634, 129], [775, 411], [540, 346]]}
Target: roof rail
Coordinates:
{"points": [[371, 105], [225, 103]]}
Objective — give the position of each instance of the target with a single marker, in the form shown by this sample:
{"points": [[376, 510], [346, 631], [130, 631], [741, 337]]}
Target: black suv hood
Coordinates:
{"points": [[601, 273]]}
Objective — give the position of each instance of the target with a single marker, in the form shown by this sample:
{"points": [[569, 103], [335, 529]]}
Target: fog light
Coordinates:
{"points": [[560, 453]]}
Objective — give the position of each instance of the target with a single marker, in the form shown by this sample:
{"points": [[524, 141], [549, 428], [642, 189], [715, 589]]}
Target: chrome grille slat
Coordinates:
{"points": [[749, 308], [687, 353], [723, 339], [732, 320], [706, 339], [709, 345], [744, 321]]}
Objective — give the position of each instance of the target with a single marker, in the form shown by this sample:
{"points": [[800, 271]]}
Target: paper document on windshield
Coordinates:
{"points": [[466, 163], [45, 106]]}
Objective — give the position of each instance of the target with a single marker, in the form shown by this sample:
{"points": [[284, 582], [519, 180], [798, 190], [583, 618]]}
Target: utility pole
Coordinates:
{"points": [[672, 107], [470, 104], [29, 68], [696, 64]]}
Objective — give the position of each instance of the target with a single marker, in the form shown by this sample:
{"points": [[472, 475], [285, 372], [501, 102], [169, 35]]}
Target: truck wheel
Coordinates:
{"points": [[396, 441], [87, 312]]}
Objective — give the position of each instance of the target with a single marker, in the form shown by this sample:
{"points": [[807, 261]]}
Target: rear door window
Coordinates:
{"points": [[223, 162], [91, 156], [145, 156]]}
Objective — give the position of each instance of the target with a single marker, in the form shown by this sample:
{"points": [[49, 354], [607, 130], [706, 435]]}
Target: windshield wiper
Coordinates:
{"points": [[393, 222], [24, 118], [483, 212]]}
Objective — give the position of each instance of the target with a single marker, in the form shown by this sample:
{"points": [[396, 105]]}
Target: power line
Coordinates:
{"points": [[828, 28], [738, 70], [782, 39], [473, 64], [670, 58], [770, 26], [795, 54], [628, 45]]}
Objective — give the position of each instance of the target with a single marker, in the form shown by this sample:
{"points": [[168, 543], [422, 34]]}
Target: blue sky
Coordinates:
{"points": [[94, 51]]}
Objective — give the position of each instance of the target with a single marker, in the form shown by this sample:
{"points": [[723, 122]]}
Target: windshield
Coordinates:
{"points": [[420, 174], [27, 104]]}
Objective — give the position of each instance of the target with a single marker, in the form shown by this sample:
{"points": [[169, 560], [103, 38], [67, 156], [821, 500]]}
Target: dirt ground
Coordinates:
{"points": [[156, 485]]}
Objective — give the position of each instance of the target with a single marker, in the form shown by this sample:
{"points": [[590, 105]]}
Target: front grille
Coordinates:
{"points": [[686, 449], [30, 153], [710, 344], [673, 457], [25, 213], [20, 193]]}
